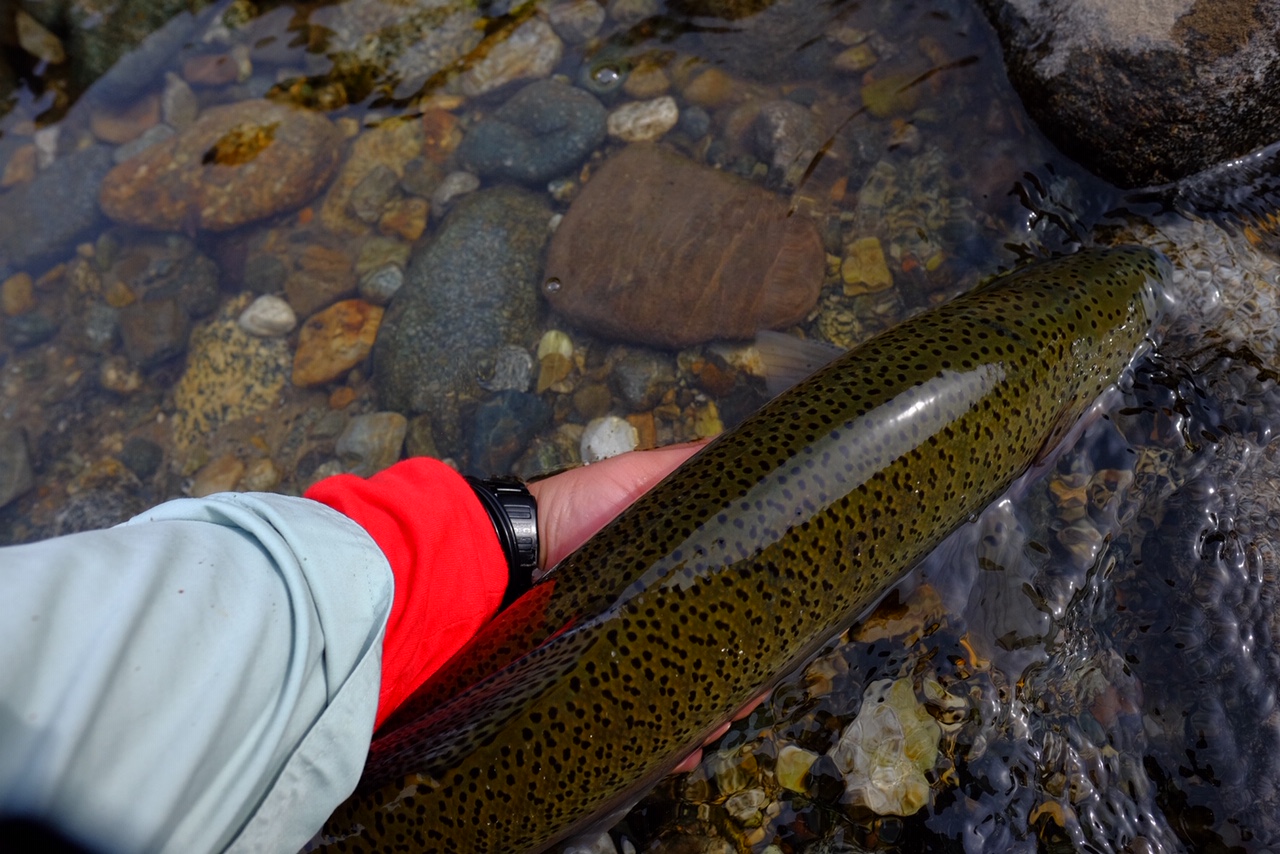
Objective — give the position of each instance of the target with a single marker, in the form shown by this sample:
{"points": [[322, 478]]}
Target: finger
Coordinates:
{"points": [[691, 761], [575, 504], [688, 763]]}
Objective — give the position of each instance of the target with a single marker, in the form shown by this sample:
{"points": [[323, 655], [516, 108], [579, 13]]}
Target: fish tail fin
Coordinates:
{"points": [[1243, 193]]}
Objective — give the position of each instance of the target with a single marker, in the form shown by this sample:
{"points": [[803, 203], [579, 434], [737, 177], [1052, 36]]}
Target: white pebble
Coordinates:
{"points": [[554, 341], [590, 843], [607, 437], [454, 184], [644, 121], [268, 317]]}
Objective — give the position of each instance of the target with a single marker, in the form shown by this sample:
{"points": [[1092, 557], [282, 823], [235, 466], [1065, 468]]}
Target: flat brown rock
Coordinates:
{"points": [[237, 163], [335, 341], [660, 250]]}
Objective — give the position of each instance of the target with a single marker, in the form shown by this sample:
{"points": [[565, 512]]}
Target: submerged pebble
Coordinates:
{"points": [[532, 51], [335, 341], [644, 121], [372, 442], [607, 437], [268, 316], [454, 185], [544, 130]]}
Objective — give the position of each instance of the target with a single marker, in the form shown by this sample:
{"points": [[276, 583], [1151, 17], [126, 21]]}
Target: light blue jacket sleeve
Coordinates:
{"points": [[203, 677]]}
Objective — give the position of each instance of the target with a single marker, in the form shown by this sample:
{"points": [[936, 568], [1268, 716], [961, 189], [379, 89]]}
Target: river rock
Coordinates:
{"points": [[661, 250], [372, 442], [43, 218], [512, 370], [391, 42], [16, 477], [576, 21], [641, 377], [230, 375], [268, 316], [887, 750], [141, 456], [643, 121], [38, 41], [469, 292], [120, 49], [96, 328], [179, 106], [16, 296], [335, 341], [153, 331], [368, 178], [454, 185], [789, 137], [27, 330], [502, 427], [380, 285], [237, 163], [119, 125], [163, 266], [607, 437], [1145, 93], [219, 475], [531, 51], [544, 130], [321, 275]]}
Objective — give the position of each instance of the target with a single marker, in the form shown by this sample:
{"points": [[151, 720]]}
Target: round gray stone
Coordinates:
{"points": [[545, 130], [468, 293]]}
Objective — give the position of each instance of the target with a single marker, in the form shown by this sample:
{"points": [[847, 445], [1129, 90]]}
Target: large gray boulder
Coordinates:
{"points": [[1146, 93]]}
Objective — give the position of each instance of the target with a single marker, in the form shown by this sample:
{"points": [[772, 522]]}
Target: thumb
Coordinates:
{"points": [[575, 504]]}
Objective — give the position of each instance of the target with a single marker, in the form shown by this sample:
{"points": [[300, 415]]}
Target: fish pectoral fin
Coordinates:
{"points": [[788, 360]]}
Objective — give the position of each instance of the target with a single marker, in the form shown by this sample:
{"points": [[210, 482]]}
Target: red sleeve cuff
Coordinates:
{"points": [[450, 572]]}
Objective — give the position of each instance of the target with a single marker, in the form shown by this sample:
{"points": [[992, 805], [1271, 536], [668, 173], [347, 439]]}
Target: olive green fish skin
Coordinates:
{"points": [[749, 557]]}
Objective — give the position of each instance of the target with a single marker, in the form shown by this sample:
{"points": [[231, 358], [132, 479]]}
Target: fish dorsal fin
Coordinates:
{"points": [[1243, 191], [788, 360]]}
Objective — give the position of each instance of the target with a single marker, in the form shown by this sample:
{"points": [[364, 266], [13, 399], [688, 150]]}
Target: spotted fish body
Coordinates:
{"points": [[744, 561]]}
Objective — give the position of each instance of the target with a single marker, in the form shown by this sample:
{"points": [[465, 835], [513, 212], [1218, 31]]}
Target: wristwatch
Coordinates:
{"points": [[514, 514]]}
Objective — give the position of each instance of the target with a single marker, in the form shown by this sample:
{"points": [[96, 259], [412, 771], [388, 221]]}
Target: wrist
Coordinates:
{"points": [[513, 511]]}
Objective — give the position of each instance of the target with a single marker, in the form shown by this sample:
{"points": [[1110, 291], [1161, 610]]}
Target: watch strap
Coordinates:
{"points": [[514, 513]]}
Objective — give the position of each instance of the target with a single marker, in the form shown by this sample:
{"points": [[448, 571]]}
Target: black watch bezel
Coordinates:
{"points": [[514, 513]]}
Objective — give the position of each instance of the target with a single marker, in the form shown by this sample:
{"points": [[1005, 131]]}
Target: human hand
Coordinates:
{"points": [[575, 504]]}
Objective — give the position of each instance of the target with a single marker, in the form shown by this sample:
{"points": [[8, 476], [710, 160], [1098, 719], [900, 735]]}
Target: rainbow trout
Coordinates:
{"points": [[743, 562]]}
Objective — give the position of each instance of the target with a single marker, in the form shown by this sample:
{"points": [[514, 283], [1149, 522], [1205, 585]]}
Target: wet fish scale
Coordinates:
{"points": [[744, 561]]}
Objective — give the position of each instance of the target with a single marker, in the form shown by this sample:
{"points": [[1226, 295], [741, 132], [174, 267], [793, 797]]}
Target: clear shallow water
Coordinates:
{"points": [[1098, 651]]}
